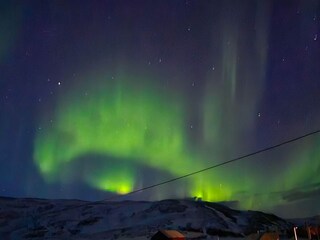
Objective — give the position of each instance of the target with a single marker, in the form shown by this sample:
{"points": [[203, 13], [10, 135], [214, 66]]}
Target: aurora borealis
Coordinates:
{"points": [[101, 98]]}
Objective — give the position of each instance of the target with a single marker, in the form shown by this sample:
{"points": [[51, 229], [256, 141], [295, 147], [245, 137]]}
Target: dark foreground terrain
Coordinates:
{"points": [[75, 219]]}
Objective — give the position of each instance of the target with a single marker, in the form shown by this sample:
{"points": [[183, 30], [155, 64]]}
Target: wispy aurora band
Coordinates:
{"points": [[126, 118], [133, 120], [139, 124]]}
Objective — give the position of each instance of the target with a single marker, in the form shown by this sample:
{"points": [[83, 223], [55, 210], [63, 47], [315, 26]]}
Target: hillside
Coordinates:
{"points": [[75, 219]]}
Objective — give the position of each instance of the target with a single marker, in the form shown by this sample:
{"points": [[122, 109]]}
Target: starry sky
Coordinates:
{"points": [[100, 98]]}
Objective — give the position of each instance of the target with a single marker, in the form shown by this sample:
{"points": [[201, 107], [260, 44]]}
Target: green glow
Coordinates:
{"points": [[118, 179], [211, 191], [135, 122], [132, 123], [232, 95], [304, 168], [128, 122], [131, 118]]}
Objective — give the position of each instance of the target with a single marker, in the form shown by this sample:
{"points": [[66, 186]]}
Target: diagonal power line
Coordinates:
{"points": [[217, 165]]}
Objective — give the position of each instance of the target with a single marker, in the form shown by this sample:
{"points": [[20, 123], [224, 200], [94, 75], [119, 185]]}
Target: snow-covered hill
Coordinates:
{"points": [[75, 219]]}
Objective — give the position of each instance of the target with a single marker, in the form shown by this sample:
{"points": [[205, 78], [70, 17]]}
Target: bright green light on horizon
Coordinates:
{"points": [[117, 180]]}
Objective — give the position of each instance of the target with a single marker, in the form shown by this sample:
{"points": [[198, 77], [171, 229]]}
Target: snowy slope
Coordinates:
{"points": [[75, 219]]}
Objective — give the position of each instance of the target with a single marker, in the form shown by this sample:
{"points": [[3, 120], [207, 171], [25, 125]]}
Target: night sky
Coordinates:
{"points": [[100, 98]]}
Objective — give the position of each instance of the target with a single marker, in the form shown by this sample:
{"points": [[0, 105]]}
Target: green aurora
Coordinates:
{"points": [[133, 122], [132, 118]]}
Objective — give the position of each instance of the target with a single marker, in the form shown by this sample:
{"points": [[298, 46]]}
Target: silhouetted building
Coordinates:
{"points": [[168, 235]]}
